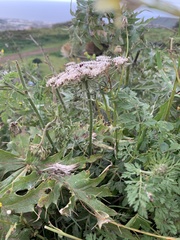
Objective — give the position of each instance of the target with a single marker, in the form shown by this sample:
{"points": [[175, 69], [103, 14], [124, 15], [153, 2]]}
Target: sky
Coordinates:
{"points": [[176, 2], [57, 12], [148, 11], [39, 0]]}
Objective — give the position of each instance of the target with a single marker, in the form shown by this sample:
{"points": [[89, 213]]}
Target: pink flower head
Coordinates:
{"points": [[76, 72]]}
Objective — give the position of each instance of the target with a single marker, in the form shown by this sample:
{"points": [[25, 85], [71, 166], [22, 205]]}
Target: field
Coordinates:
{"points": [[13, 41], [161, 36], [19, 44]]}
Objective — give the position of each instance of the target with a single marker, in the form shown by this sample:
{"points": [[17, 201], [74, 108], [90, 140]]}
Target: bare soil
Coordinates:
{"points": [[16, 56]]}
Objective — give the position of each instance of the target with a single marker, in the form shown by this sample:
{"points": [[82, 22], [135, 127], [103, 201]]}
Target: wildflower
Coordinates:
{"points": [[2, 52], [8, 212], [0, 204], [75, 73], [39, 151], [124, 22], [150, 196], [117, 49], [60, 169], [103, 58], [119, 61], [161, 169]]}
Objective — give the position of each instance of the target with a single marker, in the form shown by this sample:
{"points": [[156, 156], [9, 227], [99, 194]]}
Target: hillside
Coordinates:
{"points": [[19, 40], [8, 24]]}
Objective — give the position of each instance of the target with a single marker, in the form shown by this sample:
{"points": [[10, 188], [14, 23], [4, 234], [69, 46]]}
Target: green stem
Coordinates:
{"points": [[14, 88], [61, 100], [127, 77], [170, 102], [32, 104], [46, 57], [115, 121], [116, 140], [41, 237], [106, 107], [141, 137], [90, 117], [142, 232], [127, 42], [61, 233]]}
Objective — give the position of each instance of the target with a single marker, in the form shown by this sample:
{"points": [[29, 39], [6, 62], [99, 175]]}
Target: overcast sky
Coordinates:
{"points": [[175, 2], [149, 12], [53, 12]]}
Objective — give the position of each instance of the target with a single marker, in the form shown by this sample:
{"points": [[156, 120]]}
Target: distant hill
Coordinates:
{"points": [[164, 22], [19, 24]]}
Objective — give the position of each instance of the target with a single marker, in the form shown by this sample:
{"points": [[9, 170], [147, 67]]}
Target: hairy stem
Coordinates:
{"points": [[90, 117], [115, 116]]}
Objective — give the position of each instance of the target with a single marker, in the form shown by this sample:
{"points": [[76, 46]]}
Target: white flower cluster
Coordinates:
{"points": [[76, 72], [60, 169]]}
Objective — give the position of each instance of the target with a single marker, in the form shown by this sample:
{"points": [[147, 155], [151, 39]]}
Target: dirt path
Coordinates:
{"points": [[16, 56]]}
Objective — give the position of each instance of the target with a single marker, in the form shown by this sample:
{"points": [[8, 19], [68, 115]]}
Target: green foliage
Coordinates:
{"points": [[15, 41], [97, 160]]}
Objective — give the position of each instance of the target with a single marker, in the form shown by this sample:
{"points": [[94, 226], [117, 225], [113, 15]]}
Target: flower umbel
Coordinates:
{"points": [[75, 73]]}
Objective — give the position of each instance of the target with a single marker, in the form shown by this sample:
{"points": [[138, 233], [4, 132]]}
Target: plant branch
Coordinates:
{"points": [[142, 232], [90, 117], [46, 57], [60, 232], [170, 102], [32, 104], [61, 100]]}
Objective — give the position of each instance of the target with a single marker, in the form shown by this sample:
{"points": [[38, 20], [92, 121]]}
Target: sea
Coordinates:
{"points": [[43, 11]]}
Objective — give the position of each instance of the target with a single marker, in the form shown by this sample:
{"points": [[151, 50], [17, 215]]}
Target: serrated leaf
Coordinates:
{"points": [[174, 146], [82, 187], [26, 182], [12, 178], [12, 182], [162, 112], [80, 160], [20, 144], [120, 231], [69, 208], [138, 222], [26, 203], [100, 192], [10, 162], [52, 197], [102, 145]]}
